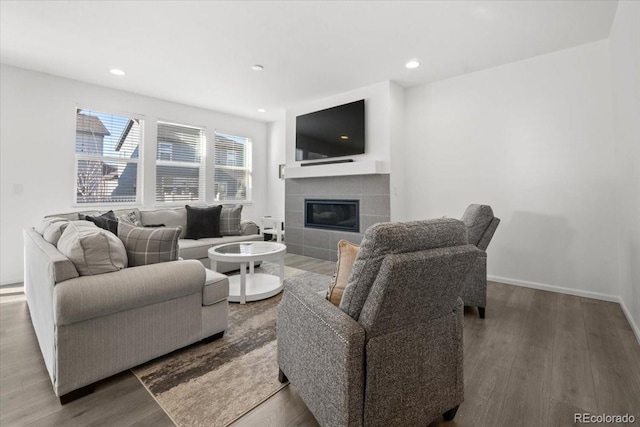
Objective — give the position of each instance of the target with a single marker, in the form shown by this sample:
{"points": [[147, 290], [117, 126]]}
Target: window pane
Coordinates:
{"points": [[232, 180], [102, 134], [231, 150], [176, 183], [179, 143], [230, 184], [106, 137], [106, 182]]}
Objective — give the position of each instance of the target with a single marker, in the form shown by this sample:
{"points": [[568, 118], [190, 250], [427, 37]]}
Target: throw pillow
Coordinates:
{"points": [[91, 249], [53, 232], [346, 256], [230, 219], [106, 221], [46, 222], [149, 245], [203, 222], [131, 218]]}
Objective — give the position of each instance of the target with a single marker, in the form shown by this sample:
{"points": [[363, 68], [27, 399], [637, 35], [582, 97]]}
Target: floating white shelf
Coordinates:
{"points": [[366, 167]]}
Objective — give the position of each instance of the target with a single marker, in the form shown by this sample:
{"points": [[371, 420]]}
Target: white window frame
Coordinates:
{"points": [[201, 166], [138, 161]]}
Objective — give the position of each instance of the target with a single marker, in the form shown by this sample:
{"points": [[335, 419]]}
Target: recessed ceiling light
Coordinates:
{"points": [[262, 110], [117, 71], [414, 63], [257, 67], [345, 137]]}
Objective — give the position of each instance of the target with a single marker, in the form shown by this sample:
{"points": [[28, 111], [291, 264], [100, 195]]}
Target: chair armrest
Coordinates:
{"points": [[321, 351], [88, 297]]}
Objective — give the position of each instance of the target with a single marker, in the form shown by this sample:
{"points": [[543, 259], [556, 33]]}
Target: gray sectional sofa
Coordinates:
{"points": [[93, 326]]}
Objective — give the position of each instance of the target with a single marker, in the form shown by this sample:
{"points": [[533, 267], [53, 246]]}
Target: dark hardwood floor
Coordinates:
{"points": [[537, 358]]}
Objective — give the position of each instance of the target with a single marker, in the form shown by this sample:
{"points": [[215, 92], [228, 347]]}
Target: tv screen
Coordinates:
{"points": [[334, 132]]}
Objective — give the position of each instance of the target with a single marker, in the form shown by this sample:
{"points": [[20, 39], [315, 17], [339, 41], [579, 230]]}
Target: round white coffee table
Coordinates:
{"points": [[254, 286]]}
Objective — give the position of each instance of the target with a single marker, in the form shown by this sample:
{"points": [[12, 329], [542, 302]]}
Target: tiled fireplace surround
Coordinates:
{"points": [[371, 190]]}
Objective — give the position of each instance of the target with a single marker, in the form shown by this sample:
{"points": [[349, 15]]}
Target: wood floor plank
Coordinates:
{"points": [[572, 380], [617, 388], [286, 408], [562, 415]]}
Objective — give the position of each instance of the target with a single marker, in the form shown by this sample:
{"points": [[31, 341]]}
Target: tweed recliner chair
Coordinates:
{"points": [[481, 224], [391, 354]]}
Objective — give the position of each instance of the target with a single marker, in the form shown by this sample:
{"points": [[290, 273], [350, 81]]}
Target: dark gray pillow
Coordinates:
{"points": [[106, 221], [203, 222], [149, 245], [230, 219]]}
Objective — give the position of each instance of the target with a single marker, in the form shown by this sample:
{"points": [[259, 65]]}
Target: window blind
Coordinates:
{"points": [[180, 163], [232, 180], [107, 153]]}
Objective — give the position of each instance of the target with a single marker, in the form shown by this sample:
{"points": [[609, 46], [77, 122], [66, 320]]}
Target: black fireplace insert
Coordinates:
{"points": [[341, 215]]}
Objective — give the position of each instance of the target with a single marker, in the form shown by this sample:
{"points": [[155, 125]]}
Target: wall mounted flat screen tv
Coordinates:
{"points": [[334, 132]]}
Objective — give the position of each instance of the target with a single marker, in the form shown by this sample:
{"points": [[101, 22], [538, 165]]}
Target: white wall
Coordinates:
{"points": [[37, 149], [625, 71], [276, 156], [397, 155], [534, 140]]}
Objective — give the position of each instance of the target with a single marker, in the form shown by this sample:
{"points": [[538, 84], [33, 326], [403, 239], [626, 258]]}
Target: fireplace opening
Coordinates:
{"points": [[341, 215]]}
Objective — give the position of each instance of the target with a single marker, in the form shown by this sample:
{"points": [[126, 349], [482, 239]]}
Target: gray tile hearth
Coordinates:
{"points": [[371, 190]]}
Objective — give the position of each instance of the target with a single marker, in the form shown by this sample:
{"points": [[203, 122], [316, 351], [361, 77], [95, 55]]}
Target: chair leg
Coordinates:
{"points": [[282, 377], [448, 416], [481, 312]]}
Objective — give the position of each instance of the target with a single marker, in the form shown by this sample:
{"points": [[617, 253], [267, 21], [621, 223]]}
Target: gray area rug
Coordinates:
{"points": [[214, 384]]}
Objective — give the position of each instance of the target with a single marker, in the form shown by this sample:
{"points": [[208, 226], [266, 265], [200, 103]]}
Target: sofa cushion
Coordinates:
{"points": [[203, 221], [230, 220], [198, 249], [54, 231], [346, 256], [216, 287], [106, 221], [149, 245], [92, 250], [387, 238], [169, 217]]}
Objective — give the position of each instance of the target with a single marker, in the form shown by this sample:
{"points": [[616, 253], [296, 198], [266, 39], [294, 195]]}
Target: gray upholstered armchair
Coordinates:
{"points": [[391, 354], [481, 224]]}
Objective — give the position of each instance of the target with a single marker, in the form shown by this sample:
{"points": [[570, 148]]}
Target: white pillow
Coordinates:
{"points": [[54, 231], [91, 249], [46, 222]]}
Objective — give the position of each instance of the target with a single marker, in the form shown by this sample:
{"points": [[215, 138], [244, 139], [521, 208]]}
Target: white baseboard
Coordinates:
{"points": [[575, 292], [633, 324]]}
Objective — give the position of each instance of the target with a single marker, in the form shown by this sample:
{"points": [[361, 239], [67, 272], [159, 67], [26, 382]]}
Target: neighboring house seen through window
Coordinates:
{"points": [[232, 179], [180, 163], [107, 156]]}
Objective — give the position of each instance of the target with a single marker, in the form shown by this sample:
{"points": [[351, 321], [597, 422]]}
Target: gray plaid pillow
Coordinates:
{"points": [[149, 245], [230, 219]]}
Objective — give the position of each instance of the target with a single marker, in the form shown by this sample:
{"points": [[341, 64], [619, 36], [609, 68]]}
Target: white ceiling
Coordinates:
{"points": [[200, 53]]}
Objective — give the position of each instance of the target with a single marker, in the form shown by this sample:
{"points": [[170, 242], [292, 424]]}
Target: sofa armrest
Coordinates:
{"points": [[88, 297], [249, 227], [321, 351]]}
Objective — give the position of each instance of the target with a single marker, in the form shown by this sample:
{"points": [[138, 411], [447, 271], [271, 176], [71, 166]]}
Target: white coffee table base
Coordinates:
{"points": [[251, 286], [259, 286]]}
